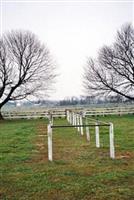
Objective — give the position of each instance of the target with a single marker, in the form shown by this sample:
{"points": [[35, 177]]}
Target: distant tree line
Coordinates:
{"points": [[87, 100]]}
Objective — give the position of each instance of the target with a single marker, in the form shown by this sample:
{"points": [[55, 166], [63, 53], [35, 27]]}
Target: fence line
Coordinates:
{"points": [[18, 114], [76, 121]]}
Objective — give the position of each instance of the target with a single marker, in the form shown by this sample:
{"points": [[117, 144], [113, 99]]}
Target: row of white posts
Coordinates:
{"points": [[76, 120]]}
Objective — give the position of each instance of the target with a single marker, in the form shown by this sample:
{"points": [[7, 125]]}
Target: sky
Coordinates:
{"points": [[72, 30]]}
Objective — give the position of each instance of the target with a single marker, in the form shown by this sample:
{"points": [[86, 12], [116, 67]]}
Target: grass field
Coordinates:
{"points": [[79, 171]]}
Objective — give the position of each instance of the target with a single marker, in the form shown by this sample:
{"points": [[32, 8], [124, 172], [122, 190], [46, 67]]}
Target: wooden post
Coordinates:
{"points": [[111, 137], [87, 133], [97, 135], [81, 123], [50, 152]]}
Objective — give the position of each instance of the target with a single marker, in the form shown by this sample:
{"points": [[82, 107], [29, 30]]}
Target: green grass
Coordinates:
{"points": [[79, 171]]}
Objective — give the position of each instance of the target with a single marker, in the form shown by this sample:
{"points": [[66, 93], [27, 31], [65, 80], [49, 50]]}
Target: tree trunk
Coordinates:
{"points": [[1, 117]]}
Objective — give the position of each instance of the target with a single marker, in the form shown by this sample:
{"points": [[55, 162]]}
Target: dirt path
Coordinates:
{"points": [[41, 153]]}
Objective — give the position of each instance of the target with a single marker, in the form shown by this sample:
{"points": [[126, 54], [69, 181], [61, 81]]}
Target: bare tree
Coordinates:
{"points": [[113, 70], [26, 67]]}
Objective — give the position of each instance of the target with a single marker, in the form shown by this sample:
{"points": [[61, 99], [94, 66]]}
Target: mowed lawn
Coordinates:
{"points": [[79, 171]]}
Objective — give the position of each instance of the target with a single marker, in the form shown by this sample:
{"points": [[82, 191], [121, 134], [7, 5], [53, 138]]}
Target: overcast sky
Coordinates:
{"points": [[72, 30]]}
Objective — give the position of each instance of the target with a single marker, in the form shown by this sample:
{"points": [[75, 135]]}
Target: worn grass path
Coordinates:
{"points": [[79, 171]]}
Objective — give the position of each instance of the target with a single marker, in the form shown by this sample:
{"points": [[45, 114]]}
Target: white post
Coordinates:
{"points": [[75, 119], [111, 137], [78, 123], [81, 128], [70, 117], [51, 119], [50, 156], [67, 113], [87, 133], [97, 135]]}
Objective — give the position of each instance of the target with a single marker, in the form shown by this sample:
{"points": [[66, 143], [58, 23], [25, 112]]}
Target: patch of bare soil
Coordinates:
{"points": [[125, 155], [41, 142], [41, 152]]}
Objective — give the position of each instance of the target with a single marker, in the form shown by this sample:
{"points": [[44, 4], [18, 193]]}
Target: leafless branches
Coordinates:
{"points": [[113, 70], [26, 66]]}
